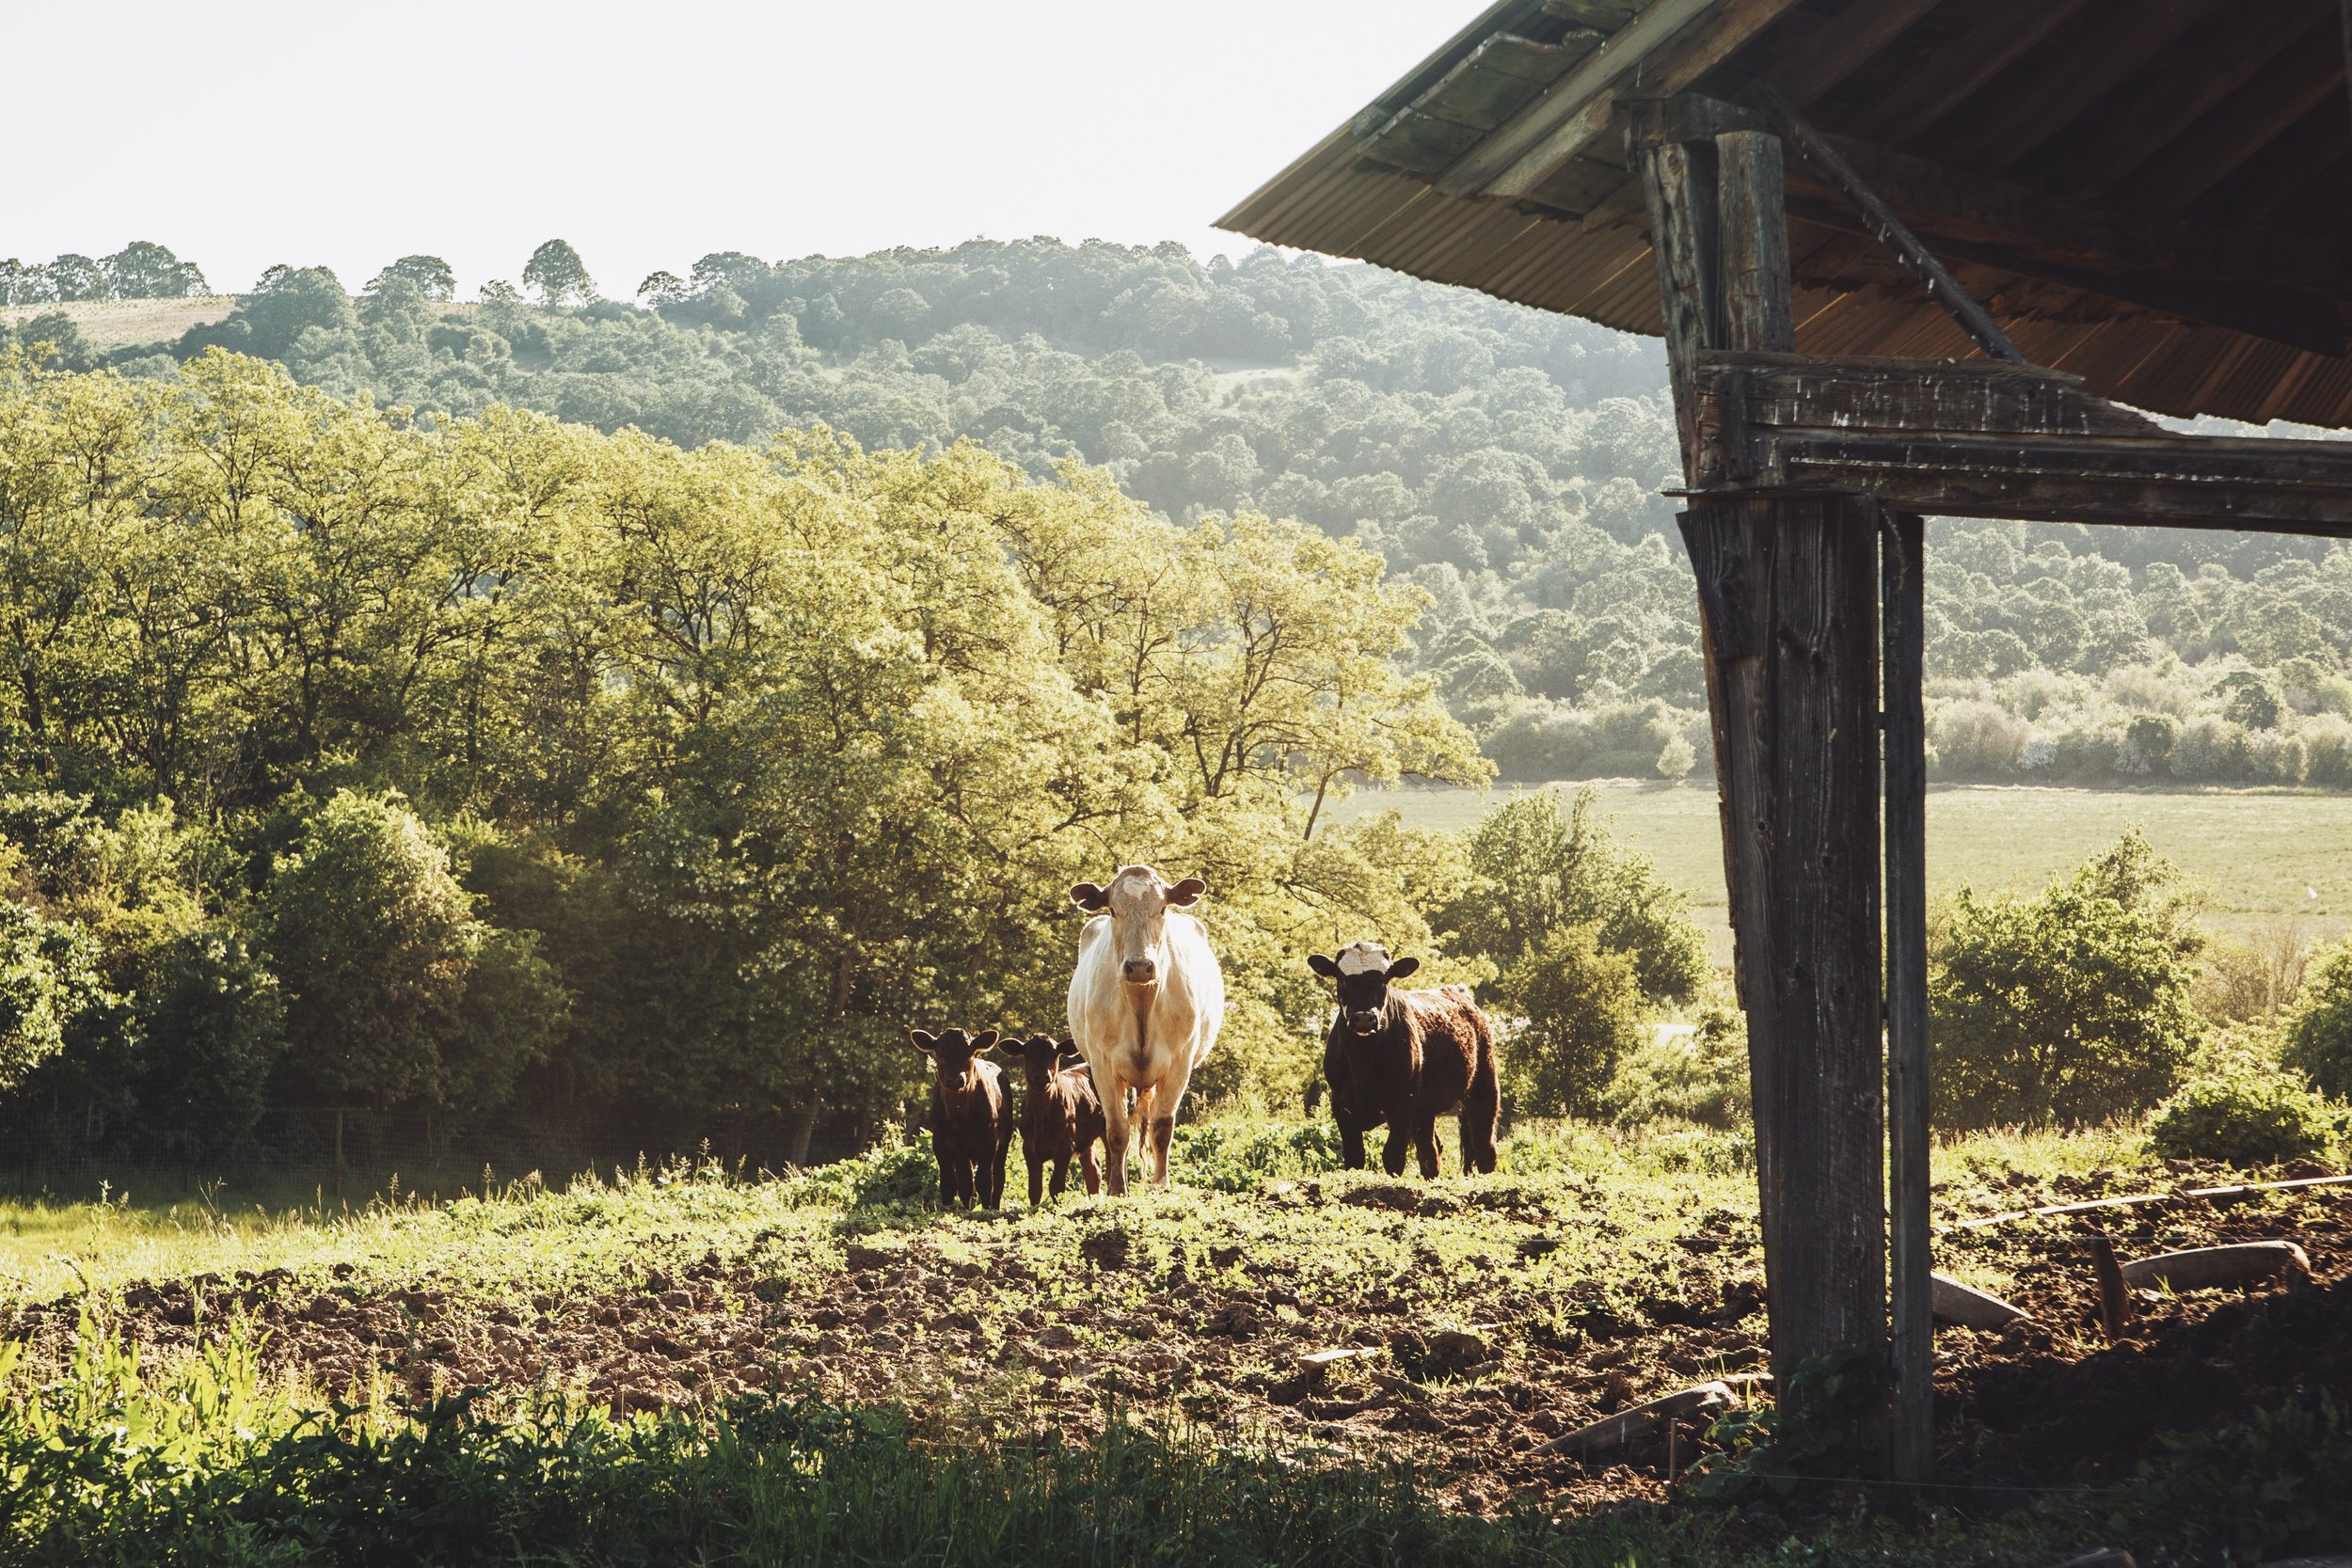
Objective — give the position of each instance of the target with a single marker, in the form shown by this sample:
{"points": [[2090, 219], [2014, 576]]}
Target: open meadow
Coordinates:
{"points": [[2265, 860], [1300, 1332]]}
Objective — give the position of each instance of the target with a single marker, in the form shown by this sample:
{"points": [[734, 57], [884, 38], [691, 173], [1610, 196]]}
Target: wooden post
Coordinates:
{"points": [[1911, 1450], [1788, 595]]}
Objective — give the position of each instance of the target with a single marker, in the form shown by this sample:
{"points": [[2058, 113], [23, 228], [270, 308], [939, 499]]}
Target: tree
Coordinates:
{"points": [[2067, 1007], [1579, 1003], [74, 277], [662, 288], [397, 993], [435, 281], [557, 275], [2319, 1027], [144, 269], [1537, 869], [48, 979]]}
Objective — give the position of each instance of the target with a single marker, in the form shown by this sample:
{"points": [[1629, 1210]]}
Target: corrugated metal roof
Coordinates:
{"points": [[1336, 201]]}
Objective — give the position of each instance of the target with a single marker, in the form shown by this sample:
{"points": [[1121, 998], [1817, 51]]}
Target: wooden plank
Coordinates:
{"points": [[1680, 181], [1889, 230], [1576, 110], [2000, 33], [1604, 16], [1418, 143], [1909, 396], [2307, 75], [1496, 79], [1902, 613], [2191, 82], [2191, 482], [1752, 226], [2065, 86]]}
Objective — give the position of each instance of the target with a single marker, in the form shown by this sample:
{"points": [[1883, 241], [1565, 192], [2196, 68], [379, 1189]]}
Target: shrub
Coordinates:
{"points": [[2244, 1119], [1974, 741], [2069, 1006], [2319, 1027], [1699, 1077], [1581, 1004]]}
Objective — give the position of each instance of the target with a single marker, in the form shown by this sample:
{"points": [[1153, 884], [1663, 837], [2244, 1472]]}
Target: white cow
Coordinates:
{"points": [[1145, 1006]]}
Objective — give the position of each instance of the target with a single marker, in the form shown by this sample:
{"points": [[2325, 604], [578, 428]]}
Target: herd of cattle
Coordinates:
{"points": [[1145, 1005]]}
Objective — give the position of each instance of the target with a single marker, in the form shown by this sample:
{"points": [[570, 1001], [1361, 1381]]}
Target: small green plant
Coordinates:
{"points": [[2319, 1028], [1816, 1432], [2245, 1118]]}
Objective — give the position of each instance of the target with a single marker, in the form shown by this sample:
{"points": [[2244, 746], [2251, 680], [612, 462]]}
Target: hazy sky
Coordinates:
{"points": [[242, 134]]}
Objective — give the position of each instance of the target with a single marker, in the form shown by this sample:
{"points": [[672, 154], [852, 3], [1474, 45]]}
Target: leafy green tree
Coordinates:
{"points": [[74, 277], [48, 979], [211, 1022], [2318, 1030], [662, 288], [1537, 869], [557, 276], [395, 992], [433, 278], [1580, 1005], [2066, 1008], [144, 269]]}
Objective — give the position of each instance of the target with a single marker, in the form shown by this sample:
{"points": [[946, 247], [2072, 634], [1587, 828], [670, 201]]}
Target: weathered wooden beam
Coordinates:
{"points": [[1807, 67], [1889, 230], [1902, 613], [1751, 218], [1672, 43], [1973, 439], [2000, 33], [1680, 181]]}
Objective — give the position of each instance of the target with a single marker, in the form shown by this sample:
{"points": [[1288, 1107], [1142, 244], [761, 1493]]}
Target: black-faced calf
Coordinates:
{"points": [[1061, 1118], [1406, 1057], [971, 1117]]}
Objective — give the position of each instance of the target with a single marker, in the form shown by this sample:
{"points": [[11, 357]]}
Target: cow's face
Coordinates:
{"points": [[955, 1055], [1138, 903], [1040, 1055], [1363, 971]]}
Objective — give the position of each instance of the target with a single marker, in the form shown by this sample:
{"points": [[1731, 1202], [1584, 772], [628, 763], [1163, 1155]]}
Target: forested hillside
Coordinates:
{"points": [[1506, 461]]}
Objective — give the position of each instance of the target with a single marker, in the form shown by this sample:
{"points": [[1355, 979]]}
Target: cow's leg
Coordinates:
{"points": [[1170, 1095], [1061, 1176], [1037, 1177], [1351, 1146], [1115, 1128], [1146, 1107], [1090, 1168], [1400, 1144], [1482, 1107], [1428, 1147], [996, 1173]]}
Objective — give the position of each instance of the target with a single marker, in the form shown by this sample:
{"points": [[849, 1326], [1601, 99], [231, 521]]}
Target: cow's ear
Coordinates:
{"points": [[1188, 892], [985, 1041], [1090, 898], [1403, 967], [1328, 968], [923, 1040]]}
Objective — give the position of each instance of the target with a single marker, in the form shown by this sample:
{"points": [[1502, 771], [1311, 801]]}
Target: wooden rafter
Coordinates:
{"points": [[2044, 101], [2001, 32], [1982, 440], [2306, 76]]}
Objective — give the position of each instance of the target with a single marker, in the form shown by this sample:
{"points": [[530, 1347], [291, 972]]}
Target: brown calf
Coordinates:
{"points": [[971, 1120], [1061, 1118], [1406, 1057]]}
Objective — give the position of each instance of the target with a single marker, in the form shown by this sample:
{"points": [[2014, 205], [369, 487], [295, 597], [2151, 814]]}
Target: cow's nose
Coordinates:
{"points": [[1363, 1023], [1139, 969]]}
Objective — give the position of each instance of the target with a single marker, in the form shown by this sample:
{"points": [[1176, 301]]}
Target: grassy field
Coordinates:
{"points": [[112, 323], [2266, 859], [1277, 1362]]}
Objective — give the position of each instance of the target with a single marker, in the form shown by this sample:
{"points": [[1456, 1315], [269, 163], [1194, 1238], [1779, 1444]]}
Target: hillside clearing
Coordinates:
{"points": [[115, 322], [2260, 855]]}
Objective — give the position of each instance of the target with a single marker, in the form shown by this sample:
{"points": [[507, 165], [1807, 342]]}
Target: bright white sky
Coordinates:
{"points": [[245, 134]]}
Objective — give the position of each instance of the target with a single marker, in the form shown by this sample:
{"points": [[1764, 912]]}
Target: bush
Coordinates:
{"points": [[2069, 1006], [2245, 1118], [1581, 1005], [1701, 1077], [1978, 740], [2319, 1027]]}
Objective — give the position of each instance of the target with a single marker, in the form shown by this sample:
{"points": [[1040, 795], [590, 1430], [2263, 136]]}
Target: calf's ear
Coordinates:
{"points": [[985, 1041], [1188, 892], [1087, 896], [1403, 967], [923, 1040], [1328, 968]]}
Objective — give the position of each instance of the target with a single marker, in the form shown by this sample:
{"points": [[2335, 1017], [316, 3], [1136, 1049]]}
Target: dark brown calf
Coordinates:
{"points": [[1061, 1118], [971, 1119], [1406, 1057]]}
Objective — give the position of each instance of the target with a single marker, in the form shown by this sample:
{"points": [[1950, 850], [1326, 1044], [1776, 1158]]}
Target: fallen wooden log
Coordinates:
{"points": [[2242, 1189], [2203, 1267], [1615, 1432], [1952, 1302]]}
